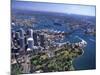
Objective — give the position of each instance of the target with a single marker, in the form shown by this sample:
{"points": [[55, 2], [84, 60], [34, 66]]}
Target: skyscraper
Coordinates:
{"points": [[17, 35], [22, 43], [30, 33], [22, 38], [13, 34], [35, 38], [30, 43], [22, 32], [42, 40]]}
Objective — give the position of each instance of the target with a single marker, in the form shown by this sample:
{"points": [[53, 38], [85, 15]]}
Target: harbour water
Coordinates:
{"points": [[87, 60]]}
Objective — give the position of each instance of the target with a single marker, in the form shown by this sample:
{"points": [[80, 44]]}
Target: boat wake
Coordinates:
{"points": [[92, 40], [82, 40]]}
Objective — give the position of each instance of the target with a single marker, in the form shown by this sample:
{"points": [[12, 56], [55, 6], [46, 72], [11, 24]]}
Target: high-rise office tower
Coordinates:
{"points": [[42, 40], [17, 35], [30, 43], [22, 38], [22, 43], [22, 33], [35, 38], [12, 34], [30, 32]]}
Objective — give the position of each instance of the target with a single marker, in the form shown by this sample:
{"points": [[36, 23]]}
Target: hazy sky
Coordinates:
{"points": [[60, 8]]}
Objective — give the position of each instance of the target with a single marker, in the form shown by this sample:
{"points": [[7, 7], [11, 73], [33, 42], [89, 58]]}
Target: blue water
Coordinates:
{"points": [[87, 60]]}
